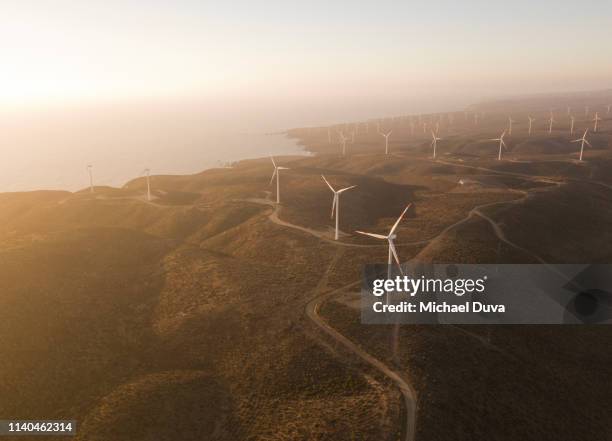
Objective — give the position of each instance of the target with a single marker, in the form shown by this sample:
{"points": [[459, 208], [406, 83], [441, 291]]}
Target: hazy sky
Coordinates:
{"points": [[306, 51]]}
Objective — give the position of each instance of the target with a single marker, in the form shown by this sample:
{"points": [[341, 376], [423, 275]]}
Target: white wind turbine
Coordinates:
{"points": [[386, 136], [531, 120], [510, 121], [90, 171], [572, 123], [608, 109], [551, 120], [343, 140], [336, 203], [390, 238], [276, 174], [583, 141], [434, 142], [502, 144], [596, 121], [147, 173]]}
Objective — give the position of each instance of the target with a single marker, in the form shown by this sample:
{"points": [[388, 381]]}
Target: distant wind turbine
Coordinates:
{"points": [[343, 140], [583, 141], [551, 120], [608, 109], [596, 121], [572, 122], [510, 121], [147, 173], [90, 171], [390, 238], [531, 120], [386, 136], [336, 204], [276, 174], [434, 142], [502, 144], [569, 110]]}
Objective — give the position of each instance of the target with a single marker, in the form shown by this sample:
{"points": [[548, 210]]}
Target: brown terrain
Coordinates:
{"points": [[211, 313]]}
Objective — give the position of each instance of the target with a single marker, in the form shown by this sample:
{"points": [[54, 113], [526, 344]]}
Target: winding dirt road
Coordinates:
{"points": [[312, 308]]}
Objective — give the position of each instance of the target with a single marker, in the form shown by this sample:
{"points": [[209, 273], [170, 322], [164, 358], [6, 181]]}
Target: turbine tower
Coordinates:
{"points": [[343, 140], [551, 120], [336, 204], [434, 142], [596, 121], [572, 122], [531, 120], [90, 171], [583, 141], [502, 144], [276, 174], [510, 121], [386, 135], [390, 238], [147, 173]]}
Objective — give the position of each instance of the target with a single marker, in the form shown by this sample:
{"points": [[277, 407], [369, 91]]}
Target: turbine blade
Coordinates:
{"points": [[273, 161], [273, 175], [328, 184], [588, 143], [377, 236], [394, 252], [283, 168], [346, 189], [399, 219]]}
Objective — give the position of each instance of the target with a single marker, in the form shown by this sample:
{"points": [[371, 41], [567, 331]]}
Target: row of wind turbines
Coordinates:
{"points": [[502, 145], [335, 213]]}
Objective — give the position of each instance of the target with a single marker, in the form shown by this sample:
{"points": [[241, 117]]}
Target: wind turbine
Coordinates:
{"points": [[386, 135], [434, 142], [583, 141], [336, 203], [551, 120], [572, 122], [608, 109], [510, 121], [531, 120], [390, 238], [596, 120], [343, 140], [147, 173], [276, 174], [501, 144], [90, 171]]}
